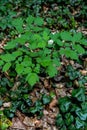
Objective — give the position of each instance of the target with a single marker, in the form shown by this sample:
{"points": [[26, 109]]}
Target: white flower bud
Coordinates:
{"points": [[50, 42]]}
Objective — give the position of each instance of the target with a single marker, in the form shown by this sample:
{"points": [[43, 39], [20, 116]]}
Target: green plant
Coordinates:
{"points": [[73, 112], [4, 121], [30, 52], [73, 75], [25, 104]]}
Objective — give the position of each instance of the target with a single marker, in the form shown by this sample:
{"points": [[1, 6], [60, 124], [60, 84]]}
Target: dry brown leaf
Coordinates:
{"points": [[38, 123], [20, 115], [60, 92], [28, 122], [17, 124], [7, 104], [46, 83], [83, 72], [53, 103], [1, 50]]}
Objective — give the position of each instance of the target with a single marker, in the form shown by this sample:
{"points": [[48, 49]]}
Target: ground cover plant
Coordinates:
{"points": [[43, 65]]}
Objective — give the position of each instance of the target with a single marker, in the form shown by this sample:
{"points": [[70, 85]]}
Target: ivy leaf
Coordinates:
{"points": [[79, 123], [79, 94], [64, 104], [32, 78], [59, 120], [82, 115], [46, 99], [6, 67], [1, 103], [69, 119]]}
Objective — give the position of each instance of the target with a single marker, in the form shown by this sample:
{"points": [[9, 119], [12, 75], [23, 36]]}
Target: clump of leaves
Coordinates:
{"points": [[74, 75], [25, 104], [4, 121], [73, 112], [30, 52]]}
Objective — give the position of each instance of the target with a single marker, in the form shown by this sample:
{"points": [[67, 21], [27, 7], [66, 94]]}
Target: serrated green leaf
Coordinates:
{"points": [[69, 53], [41, 44], [39, 21], [19, 68], [45, 61], [66, 36], [59, 42], [7, 57], [1, 62], [17, 53], [45, 35], [76, 37], [51, 70], [32, 78], [79, 48], [37, 68], [30, 20], [10, 45], [27, 70], [83, 42], [18, 23], [6, 67]]}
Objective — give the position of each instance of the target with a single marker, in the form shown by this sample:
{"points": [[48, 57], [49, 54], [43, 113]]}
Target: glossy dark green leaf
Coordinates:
{"points": [[46, 99], [69, 119], [59, 120], [8, 113], [79, 94], [79, 124], [1, 103], [82, 115], [64, 104]]}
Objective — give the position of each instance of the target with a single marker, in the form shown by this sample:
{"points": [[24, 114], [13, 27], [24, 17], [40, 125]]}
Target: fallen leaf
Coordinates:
{"points": [[28, 121], [53, 103], [17, 124], [83, 72], [38, 123], [7, 104]]}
